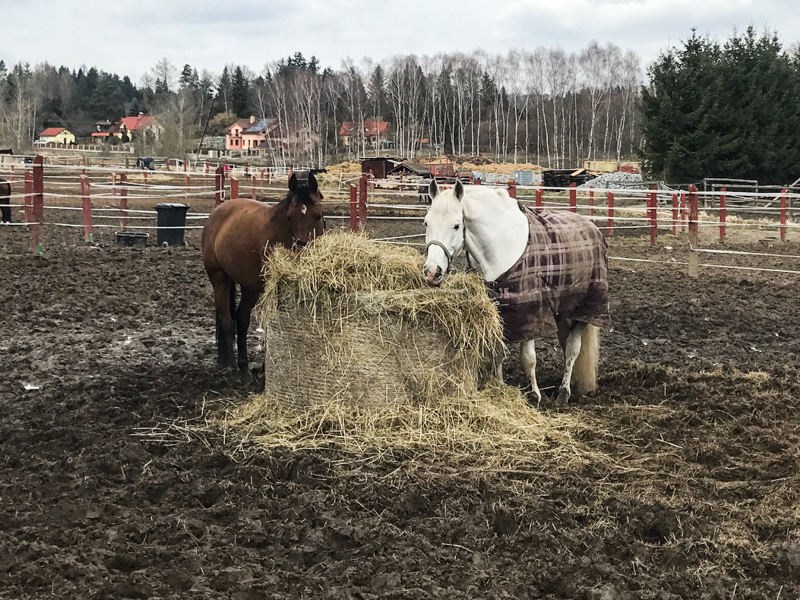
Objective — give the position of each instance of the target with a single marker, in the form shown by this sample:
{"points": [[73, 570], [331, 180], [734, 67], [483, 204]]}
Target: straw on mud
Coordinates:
{"points": [[344, 276]]}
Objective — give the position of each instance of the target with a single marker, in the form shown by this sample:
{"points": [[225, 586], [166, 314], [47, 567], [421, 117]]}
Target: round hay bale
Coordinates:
{"points": [[353, 320]]}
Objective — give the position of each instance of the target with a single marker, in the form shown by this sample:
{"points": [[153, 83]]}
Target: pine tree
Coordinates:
{"points": [[240, 92]]}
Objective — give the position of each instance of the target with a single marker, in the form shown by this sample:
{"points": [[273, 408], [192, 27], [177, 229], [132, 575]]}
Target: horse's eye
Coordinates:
{"points": [[456, 227]]}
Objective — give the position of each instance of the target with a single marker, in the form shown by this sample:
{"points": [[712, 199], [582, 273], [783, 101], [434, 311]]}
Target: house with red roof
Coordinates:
{"points": [[137, 126], [373, 132], [249, 134], [56, 135]]}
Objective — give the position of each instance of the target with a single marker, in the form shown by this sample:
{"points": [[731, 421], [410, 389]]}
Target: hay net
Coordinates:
{"points": [[349, 317]]}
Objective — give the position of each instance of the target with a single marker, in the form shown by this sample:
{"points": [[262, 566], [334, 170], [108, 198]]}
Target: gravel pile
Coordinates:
{"points": [[612, 180]]}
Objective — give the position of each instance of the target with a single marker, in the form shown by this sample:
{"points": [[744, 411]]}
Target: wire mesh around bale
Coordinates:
{"points": [[353, 320]]}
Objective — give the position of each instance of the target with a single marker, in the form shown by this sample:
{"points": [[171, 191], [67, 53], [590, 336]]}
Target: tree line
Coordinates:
{"points": [[727, 110], [544, 105], [705, 109]]}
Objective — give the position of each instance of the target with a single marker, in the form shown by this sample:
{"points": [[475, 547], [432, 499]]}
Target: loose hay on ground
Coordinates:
{"points": [[347, 301]]}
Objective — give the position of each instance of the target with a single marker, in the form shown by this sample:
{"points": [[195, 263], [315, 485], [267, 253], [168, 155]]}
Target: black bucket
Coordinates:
{"points": [[132, 239], [171, 223]]}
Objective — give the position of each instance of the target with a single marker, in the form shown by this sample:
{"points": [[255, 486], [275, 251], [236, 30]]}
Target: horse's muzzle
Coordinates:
{"points": [[434, 278]]}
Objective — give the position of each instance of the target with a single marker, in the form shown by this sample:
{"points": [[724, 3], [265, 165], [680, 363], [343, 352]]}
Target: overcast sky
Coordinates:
{"points": [[128, 37]]}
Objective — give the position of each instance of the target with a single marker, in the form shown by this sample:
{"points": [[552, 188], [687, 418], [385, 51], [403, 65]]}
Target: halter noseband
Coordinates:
{"points": [[446, 253]]}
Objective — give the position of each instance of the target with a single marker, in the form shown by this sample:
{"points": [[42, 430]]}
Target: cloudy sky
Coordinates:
{"points": [[128, 37]]}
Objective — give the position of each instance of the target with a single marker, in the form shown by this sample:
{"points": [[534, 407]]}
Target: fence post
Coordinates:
{"points": [[539, 202], [610, 219], [783, 215], [353, 208], [362, 203], [591, 203], [37, 208], [683, 211], [652, 202], [573, 197], [86, 201], [219, 185], [675, 214], [722, 216], [28, 200], [512, 188], [694, 266], [234, 188], [123, 201]]}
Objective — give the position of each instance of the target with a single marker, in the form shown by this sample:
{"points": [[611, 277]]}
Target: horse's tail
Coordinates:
{"points": [[584, 373]]}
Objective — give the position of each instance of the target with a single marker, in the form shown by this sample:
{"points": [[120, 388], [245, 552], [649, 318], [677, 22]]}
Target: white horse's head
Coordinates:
{"points": [[444, 231]]}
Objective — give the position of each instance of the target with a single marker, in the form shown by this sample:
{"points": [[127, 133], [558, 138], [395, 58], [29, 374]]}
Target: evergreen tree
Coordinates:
{"points": [[240, 92], [729, 111]]}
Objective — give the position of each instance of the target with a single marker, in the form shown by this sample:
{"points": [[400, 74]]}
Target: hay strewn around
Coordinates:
{"points": [[362, 354]]}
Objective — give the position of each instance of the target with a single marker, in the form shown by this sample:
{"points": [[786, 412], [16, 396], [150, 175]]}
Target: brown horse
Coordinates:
{"points": [[237, 238], [5, 200]]}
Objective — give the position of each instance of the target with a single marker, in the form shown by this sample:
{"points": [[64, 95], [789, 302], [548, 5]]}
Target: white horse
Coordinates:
{"points": [[537, 264]]}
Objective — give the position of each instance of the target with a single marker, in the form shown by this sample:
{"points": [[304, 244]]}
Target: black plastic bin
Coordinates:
{"points": [[171, 222]]}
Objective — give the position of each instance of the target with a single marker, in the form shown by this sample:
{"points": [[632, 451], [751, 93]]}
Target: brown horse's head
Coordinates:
{"points": [[304, 209]]}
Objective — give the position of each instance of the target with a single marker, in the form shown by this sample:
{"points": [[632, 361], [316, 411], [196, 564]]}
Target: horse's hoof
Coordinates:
{"points": [[563, 395]]}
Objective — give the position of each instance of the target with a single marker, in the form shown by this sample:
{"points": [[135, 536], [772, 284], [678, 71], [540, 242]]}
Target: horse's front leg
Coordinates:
{"points": [[243, 313], [222, 286], [527, 352], [572, 348]]}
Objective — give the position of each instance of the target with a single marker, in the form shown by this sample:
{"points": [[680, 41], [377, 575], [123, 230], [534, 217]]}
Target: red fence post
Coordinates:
{"points": [[674, 214], [783, 215], [591, 203], [37, 208], [234, 188], [573, 197], [353, 208], [28, 200], [694, 234], [219, 185], [722, 216], [539, 199], [188, 183], [652, 203], [123, 201], [512, 188], [362, 203], [683, 211], [86, 202], [610, 221]]}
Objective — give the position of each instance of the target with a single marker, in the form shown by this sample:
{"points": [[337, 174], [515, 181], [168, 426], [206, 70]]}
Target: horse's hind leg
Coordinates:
{"points": [[572, 348], [223, 287], [527, 353], [246, 304]]}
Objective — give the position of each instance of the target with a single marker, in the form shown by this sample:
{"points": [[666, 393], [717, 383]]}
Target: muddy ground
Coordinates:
{"points": [[696, 429]]}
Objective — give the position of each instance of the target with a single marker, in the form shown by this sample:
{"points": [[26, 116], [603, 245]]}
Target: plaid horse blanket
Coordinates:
{"points": [[563, 273]]}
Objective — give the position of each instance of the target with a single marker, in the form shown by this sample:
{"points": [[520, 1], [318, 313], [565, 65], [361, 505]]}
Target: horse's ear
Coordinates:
{"points": [[293, 183], [312, 183], [458, 189], [433, 189]]}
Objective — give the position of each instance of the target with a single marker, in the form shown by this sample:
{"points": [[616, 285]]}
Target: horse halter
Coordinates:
{"points": [[447, 253]]}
